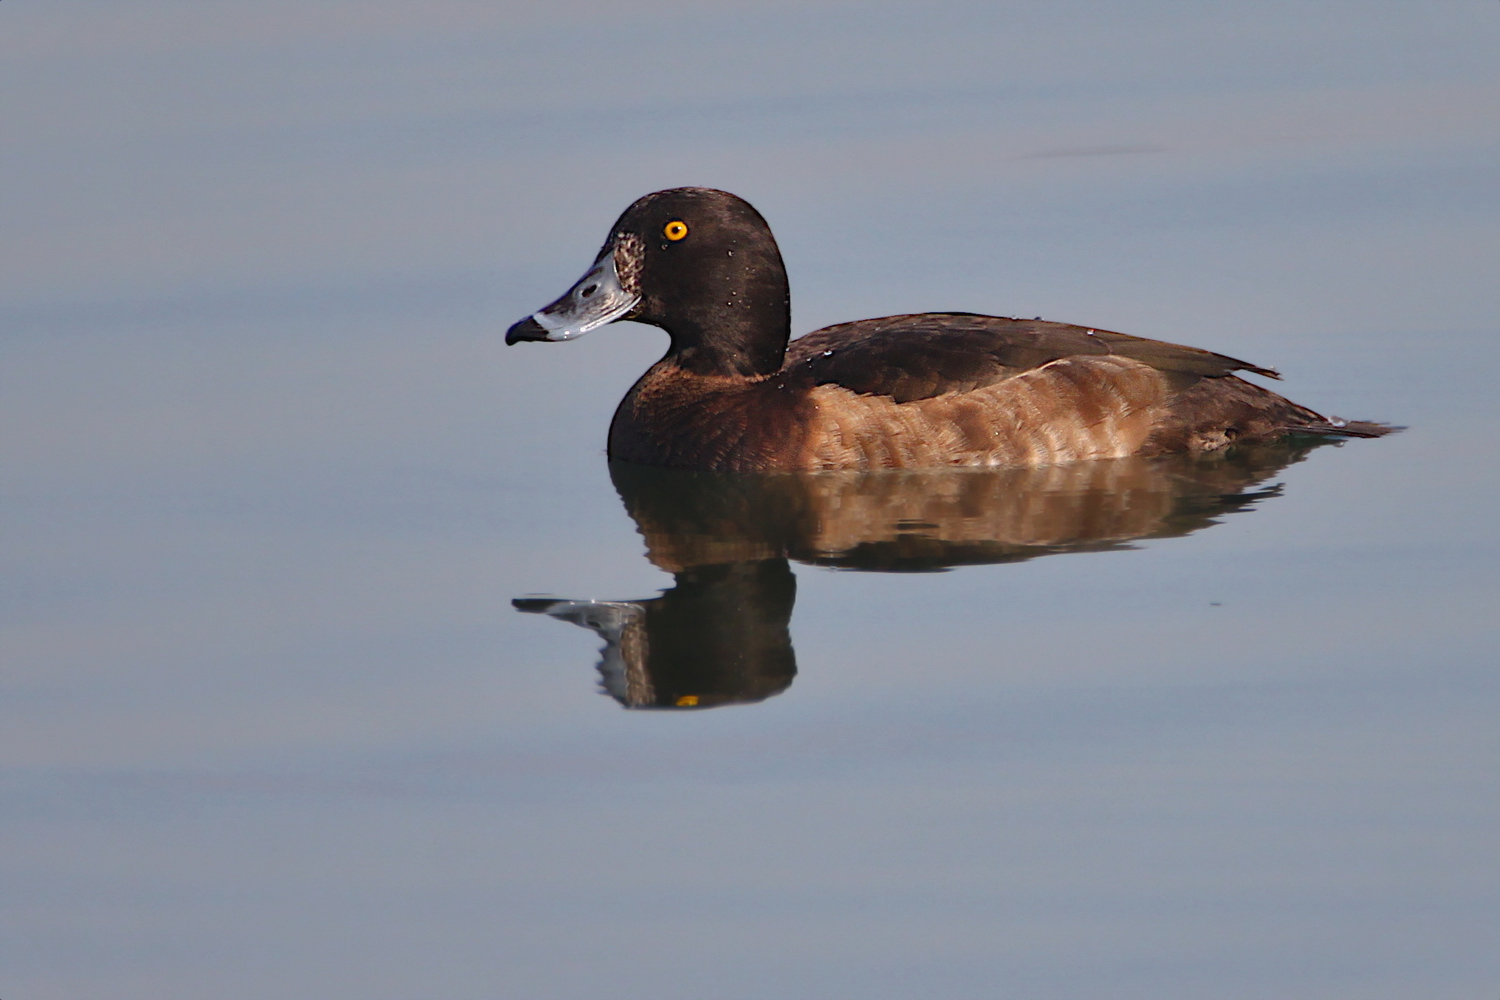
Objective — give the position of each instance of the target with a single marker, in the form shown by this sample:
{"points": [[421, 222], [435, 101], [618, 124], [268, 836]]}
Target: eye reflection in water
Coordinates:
{"points": [[721, 636]]}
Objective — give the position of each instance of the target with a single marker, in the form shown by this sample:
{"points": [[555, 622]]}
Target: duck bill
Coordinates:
{"points": [[595, 299]]}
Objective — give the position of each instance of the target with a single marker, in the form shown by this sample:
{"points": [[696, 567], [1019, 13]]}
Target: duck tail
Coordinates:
{"points": [[1337, 427]]}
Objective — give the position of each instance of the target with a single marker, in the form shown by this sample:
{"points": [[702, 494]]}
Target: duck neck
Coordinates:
{"points": [[733, 346], [734, 319]]}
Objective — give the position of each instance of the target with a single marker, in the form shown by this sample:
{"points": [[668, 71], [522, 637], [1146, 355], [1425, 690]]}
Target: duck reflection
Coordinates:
{"points": [[721, 635]]}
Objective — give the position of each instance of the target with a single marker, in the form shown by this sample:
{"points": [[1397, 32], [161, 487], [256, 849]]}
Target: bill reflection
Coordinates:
{"points": [[721, 635]]}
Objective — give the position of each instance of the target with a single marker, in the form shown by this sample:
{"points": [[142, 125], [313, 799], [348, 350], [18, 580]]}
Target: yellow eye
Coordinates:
{"points": [[676, 230]]}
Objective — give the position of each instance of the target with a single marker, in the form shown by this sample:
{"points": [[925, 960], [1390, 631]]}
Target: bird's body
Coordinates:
{"points": [[915, 391]]}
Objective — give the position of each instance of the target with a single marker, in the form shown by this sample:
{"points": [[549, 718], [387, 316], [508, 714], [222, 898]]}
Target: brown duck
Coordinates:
{"points": [[917, 391]]}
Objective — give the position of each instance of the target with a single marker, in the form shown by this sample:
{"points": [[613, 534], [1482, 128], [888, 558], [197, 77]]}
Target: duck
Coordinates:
{"points": [[734, 392]]}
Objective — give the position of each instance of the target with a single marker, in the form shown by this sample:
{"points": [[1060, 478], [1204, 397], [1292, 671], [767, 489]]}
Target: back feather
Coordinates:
{"points": [[923, 355]]}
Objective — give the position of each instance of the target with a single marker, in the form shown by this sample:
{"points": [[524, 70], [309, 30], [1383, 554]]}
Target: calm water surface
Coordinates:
{"points": [[292, 698]]}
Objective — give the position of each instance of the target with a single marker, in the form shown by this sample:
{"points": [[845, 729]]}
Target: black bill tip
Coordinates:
{"points": [[527, 329]]}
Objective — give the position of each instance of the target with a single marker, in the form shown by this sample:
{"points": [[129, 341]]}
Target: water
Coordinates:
{"points": [[272, 724]]}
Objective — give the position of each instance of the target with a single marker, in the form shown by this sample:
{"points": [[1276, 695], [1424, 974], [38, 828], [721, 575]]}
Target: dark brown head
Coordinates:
{"points": [[699, 263]]}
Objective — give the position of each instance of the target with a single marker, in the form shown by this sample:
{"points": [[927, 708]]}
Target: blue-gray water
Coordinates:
{"points": [[271, 727]]}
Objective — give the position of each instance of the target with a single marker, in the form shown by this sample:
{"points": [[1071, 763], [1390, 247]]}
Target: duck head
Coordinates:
{"points": [[699, 263]]}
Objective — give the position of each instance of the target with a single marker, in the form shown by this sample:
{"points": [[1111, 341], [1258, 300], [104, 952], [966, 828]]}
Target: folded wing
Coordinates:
{"points": [[923, 355]]}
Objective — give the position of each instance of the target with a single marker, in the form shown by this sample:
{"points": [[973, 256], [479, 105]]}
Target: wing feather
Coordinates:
{"points": [[923, 355]]}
